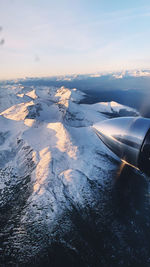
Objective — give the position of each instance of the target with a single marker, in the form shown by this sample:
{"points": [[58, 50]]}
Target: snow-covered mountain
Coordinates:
{"points": [[51, 163]]}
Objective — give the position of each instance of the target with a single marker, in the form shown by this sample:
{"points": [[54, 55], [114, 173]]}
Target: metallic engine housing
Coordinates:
{"points": [[124, 136]]}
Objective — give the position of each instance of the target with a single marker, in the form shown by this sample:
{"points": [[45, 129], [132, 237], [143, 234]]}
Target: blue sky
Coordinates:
{"points": [[45, 37]]}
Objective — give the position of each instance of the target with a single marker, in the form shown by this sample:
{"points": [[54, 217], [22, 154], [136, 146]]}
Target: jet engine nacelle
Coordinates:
{"points": [[128, 138]]}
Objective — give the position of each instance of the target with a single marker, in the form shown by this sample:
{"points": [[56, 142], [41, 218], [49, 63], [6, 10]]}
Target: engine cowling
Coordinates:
{"points": [[128, 138]]}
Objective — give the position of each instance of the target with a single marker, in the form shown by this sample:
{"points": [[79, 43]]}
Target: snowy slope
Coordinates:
{"points": [[49, 160]]}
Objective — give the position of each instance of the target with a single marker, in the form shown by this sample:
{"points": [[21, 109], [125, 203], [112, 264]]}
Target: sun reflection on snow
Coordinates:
{"points": [[42, 169], [64, 96], [20, 95], [64, 143], [32, 94], [68, 175], [17, 112], [29, 122]]}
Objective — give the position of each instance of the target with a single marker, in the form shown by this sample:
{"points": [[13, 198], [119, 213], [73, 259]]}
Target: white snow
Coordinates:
{"points": [[109, 107], [17, 112], [32, 94], [53, 133]]}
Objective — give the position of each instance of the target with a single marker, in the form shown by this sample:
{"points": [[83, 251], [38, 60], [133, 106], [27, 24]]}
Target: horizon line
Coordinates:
{"points": [[100, 73]]}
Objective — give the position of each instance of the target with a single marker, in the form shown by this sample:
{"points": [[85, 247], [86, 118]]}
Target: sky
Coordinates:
{"points": [[46, 38]]}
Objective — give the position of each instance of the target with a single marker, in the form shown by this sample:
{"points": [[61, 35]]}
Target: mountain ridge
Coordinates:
{"points": [[50, 161]]}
